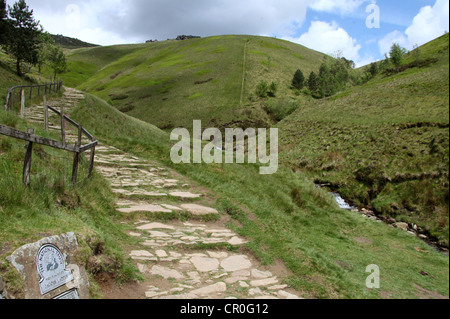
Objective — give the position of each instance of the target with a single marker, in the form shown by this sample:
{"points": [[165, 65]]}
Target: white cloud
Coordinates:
{"points": [[385, 43], [428, 24], [329, 38], [331, 6], [128, 21]]}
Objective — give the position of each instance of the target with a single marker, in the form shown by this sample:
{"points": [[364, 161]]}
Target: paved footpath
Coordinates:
{"points": [[171, 254]]}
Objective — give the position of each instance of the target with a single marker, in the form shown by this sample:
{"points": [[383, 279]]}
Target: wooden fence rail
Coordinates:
{"points": [[31, 138], [46, 89]]}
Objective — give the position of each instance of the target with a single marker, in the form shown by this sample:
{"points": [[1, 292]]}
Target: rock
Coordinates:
{"points": [[261, 274], [243, 284], [184, 195], [217, 254], [144, 209], [165, 272], [236, 241], [286, 295], [161, 254], [264, 282], [141, 254], [235, 263], [403, 226], [204, 264], [199, 210], [219, 287], [24, 260]]}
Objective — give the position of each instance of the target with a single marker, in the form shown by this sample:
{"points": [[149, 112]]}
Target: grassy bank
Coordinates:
{"points": [[286, 218], [52, 206], [385, 144]]}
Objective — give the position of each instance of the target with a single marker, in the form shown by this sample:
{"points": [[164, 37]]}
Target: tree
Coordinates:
{"points": [[373, 70], [313, 85], [396, 55], [23, 38], [44, 48], [3, 22], [57, 60], [333, 76], [299, 80]]}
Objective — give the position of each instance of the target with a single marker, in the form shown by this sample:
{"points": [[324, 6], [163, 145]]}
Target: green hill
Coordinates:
{"points": [[323, 250], [171, 83], [71, 43], [384, 144]]}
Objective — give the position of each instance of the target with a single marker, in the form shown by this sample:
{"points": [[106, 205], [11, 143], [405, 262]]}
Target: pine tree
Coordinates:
{"points": [[3, 21], [299, 80], [313, 84], [23, 39]]}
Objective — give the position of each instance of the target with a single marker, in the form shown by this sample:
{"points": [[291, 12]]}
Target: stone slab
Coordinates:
{"points": [[24, 260]]}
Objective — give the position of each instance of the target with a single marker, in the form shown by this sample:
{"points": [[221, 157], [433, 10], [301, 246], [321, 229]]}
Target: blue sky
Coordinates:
{"points": [[424, 20], [328, 26]]}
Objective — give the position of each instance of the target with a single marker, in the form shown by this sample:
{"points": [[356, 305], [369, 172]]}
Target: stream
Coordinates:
{"points": [[371, 215]]}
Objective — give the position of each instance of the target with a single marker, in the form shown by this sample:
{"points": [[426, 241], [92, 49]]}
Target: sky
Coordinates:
{"points": [[360, 30]]}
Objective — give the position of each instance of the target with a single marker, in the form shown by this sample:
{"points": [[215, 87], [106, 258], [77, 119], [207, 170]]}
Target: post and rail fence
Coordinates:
{"points": [[39, 88], [78, 149]]}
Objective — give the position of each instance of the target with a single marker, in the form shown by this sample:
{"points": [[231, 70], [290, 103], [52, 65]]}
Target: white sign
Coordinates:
{"points": [[51, 267], [71, 294]]}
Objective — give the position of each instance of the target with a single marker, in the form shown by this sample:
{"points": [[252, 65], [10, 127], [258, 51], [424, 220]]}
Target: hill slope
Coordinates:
{"points": [[383, 145], [171, 83]]}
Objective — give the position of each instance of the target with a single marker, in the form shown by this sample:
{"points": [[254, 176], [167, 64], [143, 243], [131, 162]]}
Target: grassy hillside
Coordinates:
{"points": [[385, 144], [52, 206], [198, 79], [286, 218], [69, 43]]}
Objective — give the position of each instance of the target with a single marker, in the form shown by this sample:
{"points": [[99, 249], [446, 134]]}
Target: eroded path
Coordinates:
{"points": [[184, 249]]}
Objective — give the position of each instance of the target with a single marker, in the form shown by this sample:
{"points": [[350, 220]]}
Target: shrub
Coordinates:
{"points": [[261, 89], [273, 89], [264, 90]]}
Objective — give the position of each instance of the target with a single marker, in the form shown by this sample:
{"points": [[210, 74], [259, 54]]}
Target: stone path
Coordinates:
{"points": [[195, 259]]}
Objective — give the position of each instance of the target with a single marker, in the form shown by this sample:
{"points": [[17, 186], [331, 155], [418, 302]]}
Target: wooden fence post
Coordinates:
{"points": [[7, 101], [22, 103], [45, 113], [31, 91], [76, 161], [63, 126], [76, 158], [27, 162], [91, 165]]}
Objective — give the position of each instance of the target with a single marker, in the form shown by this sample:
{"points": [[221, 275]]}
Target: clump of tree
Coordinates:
{"points": [[396, 55], [264, 90], [334, 74], [298, 82], [23, 38]]}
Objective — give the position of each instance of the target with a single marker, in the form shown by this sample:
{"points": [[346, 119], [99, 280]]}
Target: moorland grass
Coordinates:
{"points": [[286, 218], [384, 145]]}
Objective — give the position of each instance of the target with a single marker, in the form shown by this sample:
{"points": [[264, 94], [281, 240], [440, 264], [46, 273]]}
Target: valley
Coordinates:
{"points": [[383, 145]]}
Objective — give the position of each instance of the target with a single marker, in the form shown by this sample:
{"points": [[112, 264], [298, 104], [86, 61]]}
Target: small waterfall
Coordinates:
{"points": [[341, 202]]}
